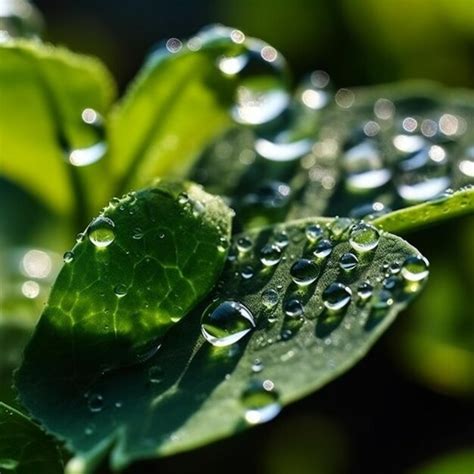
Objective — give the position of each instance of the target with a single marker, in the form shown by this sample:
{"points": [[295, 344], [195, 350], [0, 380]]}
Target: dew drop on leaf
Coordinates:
{"points": [[314, 232], [304, 272], [415, 268], [270, 254], [68, 257], [323, 249], [101, 232], [348, 261], [364, 237], [270, 298], [336, 296], [261, 402], [225, 323]]}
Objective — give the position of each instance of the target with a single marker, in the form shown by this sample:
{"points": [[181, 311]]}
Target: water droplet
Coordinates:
{"points": [[279, 149], [415, 268], [247, 272], [68, 257], [95, 402], [257, 366], [224, 323], [348, 261], [270, 298], [323, 249], [261, 402], [364, 167], [336, 296], [281, 239], [244, 244], [90, 154], [155, 374], [270, 254], [365, 290], [314, 232], [120, 290], [364, 237], [262, 91], [137, 233], [223, 244], [101, 232], [293, 308], [304, 272]]}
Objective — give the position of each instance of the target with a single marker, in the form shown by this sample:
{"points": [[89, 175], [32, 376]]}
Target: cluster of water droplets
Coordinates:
{"points": [[395, 159]]}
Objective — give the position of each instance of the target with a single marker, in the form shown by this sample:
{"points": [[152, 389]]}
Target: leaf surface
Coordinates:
{"points": [[44, 91], [191, 391]]}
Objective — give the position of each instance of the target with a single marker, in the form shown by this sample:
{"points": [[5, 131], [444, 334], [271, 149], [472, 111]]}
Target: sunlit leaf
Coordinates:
{"points": [[45, 91]]}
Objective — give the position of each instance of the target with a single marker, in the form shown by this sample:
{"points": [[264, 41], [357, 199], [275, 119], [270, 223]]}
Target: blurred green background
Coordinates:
{"points": [[411, 400]]}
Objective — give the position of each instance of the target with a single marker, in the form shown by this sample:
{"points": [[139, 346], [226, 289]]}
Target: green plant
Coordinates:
{"points": [[150, 344]]}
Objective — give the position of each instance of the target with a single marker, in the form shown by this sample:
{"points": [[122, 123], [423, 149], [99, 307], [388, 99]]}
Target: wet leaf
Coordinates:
{"points": [[24, 447], [139, 267], [290, 312], [45, 91]]}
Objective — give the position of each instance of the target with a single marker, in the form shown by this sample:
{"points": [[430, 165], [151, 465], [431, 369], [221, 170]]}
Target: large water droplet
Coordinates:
{"points": [[224, 323], [261, 402], [270, 255], [262, 93], [415, 268], [19, 19], [336, 296], [92, 153], [364, 237], [304, 272], [101, 232]]}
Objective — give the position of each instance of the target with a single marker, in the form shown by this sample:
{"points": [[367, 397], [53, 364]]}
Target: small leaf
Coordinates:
{"points": [[446, 206], [45, 91], [181, 101], [140, 267], [290, 312], [24, 447]]}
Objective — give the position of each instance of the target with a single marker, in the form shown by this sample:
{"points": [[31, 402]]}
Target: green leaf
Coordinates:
{"points": [[363, 162], [181, 101], [446, 206], [139, 268], [24, 447], [192, 392], [44, 92]]}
